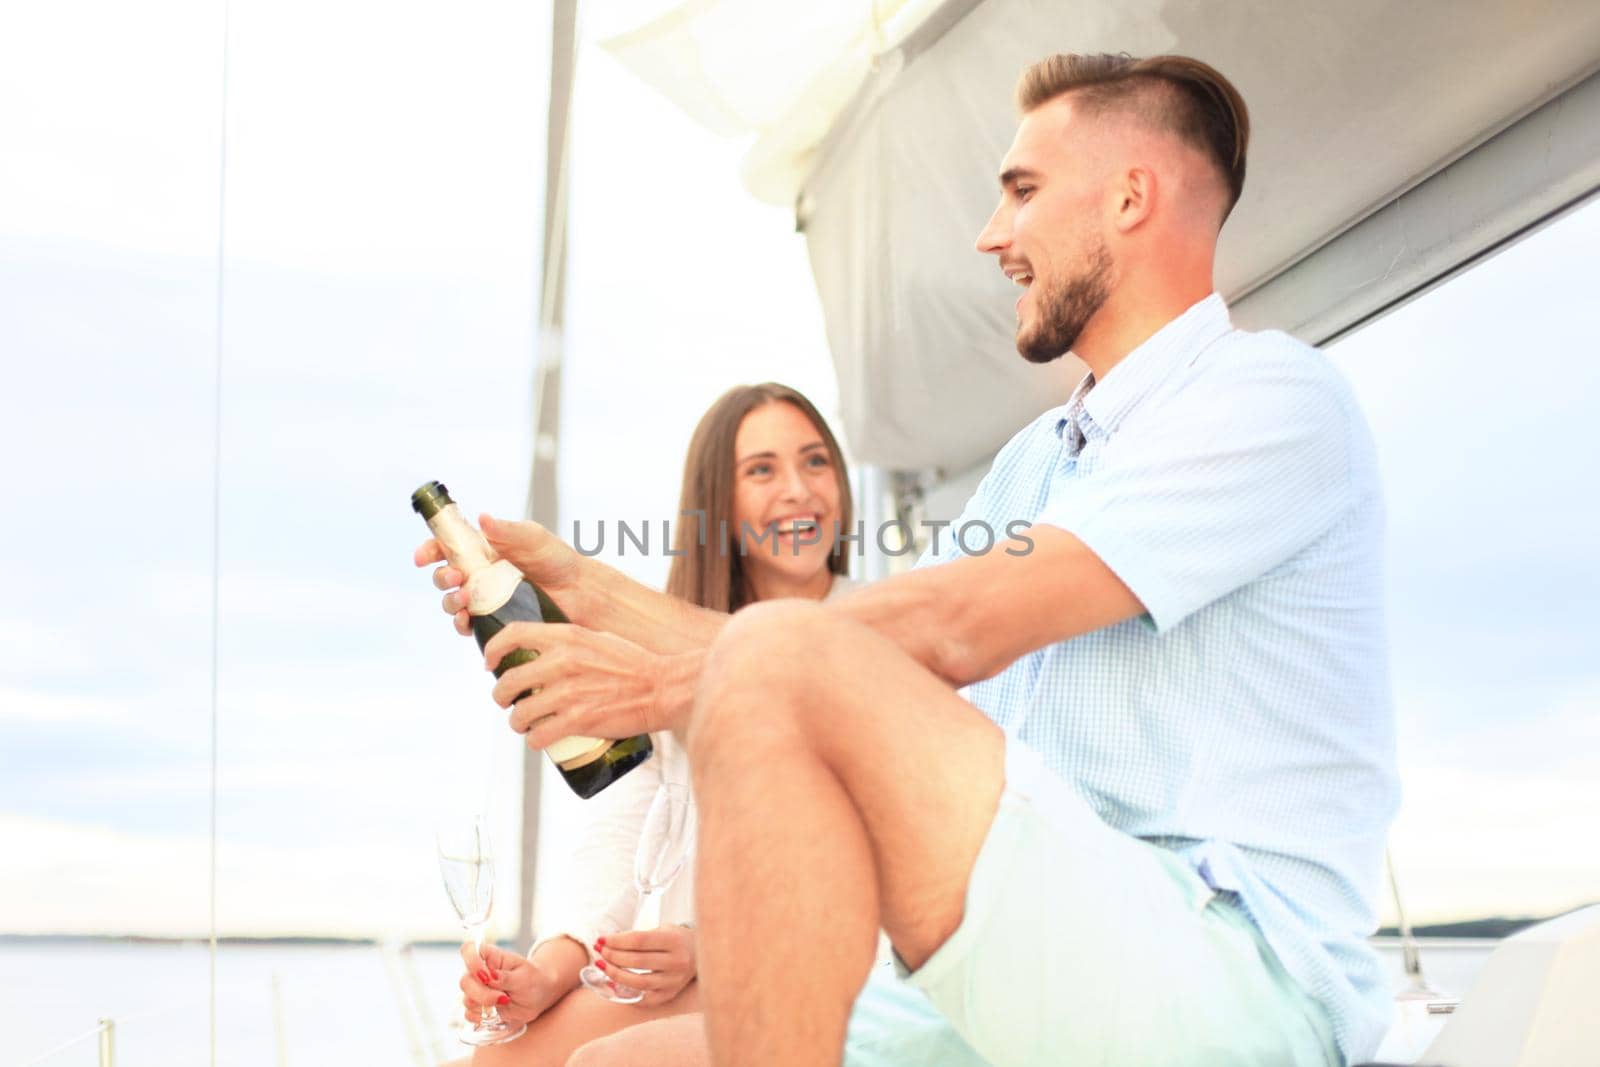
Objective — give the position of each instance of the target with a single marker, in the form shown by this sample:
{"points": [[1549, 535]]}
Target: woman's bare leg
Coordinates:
{"points": [[578, 1018]]}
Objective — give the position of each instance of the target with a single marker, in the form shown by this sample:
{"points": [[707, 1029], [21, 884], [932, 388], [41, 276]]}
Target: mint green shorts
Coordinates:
{"points": [[1081, 945]]}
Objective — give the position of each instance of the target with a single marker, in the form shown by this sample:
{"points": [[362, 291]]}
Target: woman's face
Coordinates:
{"points": [[785, 494]]}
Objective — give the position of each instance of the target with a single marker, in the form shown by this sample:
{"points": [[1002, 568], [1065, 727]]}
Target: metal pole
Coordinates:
{"points": [[278, 1041], [1410, 952], [543, 501], [108, 1034]]}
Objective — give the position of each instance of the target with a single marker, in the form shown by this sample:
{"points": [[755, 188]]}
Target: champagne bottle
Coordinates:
{"points": [[497, 594]]}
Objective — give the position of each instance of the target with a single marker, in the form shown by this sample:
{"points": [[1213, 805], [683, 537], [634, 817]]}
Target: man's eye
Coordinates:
{"points": [[1024, 191]]}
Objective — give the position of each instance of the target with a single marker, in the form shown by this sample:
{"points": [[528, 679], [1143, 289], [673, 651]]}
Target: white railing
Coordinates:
{"points": [[105, 1029]]}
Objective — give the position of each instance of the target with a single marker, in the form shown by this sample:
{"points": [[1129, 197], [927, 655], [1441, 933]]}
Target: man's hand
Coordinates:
{"points": [[667, 954], [544, 559], [587, 684], [518, 986]]}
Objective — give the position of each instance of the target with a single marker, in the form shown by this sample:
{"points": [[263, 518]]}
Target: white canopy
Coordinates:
{"points": [[883, 124]]}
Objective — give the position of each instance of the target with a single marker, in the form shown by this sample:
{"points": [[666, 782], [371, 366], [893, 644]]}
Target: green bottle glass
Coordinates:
{"points": [[497, 594]]}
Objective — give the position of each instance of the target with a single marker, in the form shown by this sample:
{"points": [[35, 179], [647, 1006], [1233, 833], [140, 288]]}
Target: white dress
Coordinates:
{"points": [[599, 873]]}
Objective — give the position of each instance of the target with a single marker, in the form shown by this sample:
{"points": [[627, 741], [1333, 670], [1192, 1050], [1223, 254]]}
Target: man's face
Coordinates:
{"points": [[1045, 231]]}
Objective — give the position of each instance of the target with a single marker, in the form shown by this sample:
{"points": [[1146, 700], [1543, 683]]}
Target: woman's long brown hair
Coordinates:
{"points": [[709, 571]]}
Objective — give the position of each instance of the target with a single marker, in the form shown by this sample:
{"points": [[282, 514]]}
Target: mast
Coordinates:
{"points": [[543, 492]]}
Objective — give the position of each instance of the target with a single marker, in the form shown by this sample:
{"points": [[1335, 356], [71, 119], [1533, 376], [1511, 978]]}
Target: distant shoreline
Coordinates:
{"points": [[148, 939], [1489, 929]]}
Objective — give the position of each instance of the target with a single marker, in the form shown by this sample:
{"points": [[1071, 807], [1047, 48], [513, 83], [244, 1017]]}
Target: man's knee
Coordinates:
{"points": [[762, 641], [758, 664]]}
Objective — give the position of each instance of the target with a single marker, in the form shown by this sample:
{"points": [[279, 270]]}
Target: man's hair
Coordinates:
{"points": [[1183, 96]]}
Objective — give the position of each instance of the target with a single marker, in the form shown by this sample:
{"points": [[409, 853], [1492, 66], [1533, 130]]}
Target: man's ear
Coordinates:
{"points": [[1134, 198]]}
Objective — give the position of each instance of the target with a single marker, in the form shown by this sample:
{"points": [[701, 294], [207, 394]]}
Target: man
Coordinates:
{"points": [[1153, 835]]}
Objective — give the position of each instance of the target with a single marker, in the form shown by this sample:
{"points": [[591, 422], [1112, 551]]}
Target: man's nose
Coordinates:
{"points": [[996, 234]]}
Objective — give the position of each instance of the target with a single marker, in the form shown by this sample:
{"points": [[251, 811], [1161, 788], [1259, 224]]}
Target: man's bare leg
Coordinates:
{"points": [[840, 786]]}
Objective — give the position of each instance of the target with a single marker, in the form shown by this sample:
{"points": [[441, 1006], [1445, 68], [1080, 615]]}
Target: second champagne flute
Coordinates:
{"points": [[466, 861], [664, 846]]}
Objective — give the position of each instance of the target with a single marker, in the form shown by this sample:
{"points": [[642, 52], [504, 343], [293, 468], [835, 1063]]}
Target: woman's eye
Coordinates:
{"points": [[817, 461], [758, 470]]}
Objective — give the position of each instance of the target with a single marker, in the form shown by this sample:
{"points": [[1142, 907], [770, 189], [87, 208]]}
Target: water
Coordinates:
{"points": [[331, 1003]]}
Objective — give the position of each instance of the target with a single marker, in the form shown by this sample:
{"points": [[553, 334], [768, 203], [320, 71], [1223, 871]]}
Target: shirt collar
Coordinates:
{"points": [[1142, 370]]}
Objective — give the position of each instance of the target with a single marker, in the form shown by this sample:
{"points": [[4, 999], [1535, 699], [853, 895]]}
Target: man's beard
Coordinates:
{"points": [[1065, 311]]}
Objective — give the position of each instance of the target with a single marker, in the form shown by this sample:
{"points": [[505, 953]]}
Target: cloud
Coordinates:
{"points": [[72, 710], [325, 874], [1469, 844]]}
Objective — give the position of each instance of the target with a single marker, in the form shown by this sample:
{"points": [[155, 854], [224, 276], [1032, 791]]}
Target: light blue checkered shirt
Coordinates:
{"points": [[1229, 479]]}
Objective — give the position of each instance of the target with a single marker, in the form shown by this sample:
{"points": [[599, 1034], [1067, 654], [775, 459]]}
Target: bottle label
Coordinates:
{"points": [[487, 590], [490, 583], [570, 753]]}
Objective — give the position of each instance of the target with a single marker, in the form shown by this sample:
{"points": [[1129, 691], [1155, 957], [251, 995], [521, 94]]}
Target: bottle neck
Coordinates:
{"points": [[463, 545], [490, 581]]}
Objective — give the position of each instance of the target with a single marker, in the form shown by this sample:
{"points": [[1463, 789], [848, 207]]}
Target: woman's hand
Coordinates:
{"points": [[586, 683], [667, 954], [544, 559], [518, 986]]}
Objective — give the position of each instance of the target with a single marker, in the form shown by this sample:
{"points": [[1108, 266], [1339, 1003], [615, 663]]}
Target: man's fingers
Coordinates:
{"points": [[531, 711], [547, 729], [448, 577], [430, 551], [463, 623], [512, 540], [540, 636], [533, 677]]}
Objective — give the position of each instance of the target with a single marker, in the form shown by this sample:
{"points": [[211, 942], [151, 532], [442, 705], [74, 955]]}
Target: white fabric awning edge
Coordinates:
{"points": [[751, 68]]}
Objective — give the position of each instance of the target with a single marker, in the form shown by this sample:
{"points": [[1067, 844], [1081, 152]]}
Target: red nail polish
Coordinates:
{"points": [[503, 1000], [483, 976], [494, 976], [600, 964], [600, 942]]}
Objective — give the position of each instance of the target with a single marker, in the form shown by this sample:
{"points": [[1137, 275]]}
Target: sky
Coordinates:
{"points": [[383, 201]]}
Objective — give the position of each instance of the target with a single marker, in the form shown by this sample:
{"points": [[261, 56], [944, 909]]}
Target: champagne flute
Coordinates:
{"points": [[467, 863], [664, 846]]}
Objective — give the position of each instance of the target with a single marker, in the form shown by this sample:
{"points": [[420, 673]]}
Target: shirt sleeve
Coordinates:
{"points": [[943, 545], [1217, 484], [600, 897]]}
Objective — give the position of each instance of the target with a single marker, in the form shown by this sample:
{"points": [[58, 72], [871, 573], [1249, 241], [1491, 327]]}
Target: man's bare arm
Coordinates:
{"points": [[615, 603], [969, 619], [592, 593]]}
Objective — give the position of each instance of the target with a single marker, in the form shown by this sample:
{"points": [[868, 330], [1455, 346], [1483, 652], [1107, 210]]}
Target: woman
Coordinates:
{"points": [[766, 473]]}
